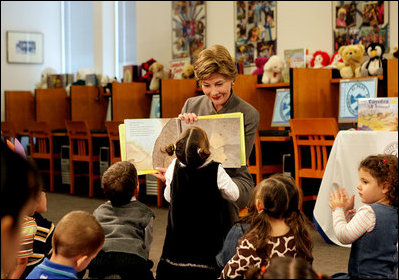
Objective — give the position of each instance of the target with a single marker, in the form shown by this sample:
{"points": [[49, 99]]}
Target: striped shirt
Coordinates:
{"points": [[349, 226], [29, 229]]}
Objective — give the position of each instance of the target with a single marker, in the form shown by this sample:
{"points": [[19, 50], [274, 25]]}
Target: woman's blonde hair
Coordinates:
{"points": [[215, 59]]}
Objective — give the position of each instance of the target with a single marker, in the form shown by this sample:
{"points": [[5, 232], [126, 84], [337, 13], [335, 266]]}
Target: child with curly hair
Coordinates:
{"points": [[373, 228]]}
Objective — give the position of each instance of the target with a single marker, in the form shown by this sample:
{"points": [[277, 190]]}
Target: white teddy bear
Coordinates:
{"points": [[273, 70], [159, 73]]}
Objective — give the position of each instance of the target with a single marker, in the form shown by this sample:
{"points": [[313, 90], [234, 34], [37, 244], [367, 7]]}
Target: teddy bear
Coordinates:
{"points": [[43, 78], [373, 65], [320, 59], [352, 56], [259, 62], [158, 73], [272, 70], [188, 72]]}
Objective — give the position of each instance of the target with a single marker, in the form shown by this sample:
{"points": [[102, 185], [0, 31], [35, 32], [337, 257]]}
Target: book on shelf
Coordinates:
{"points": [[143, 141], [176, 67], [293, 58], [59, 80], [131, 73], [380, 114]]}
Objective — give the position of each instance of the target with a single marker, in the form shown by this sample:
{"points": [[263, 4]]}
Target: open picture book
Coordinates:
{"points": [[143, 141]]}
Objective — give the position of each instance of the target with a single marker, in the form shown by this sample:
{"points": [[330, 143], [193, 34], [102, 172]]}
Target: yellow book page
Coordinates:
{"points": [[122, 141], [242, 133]]}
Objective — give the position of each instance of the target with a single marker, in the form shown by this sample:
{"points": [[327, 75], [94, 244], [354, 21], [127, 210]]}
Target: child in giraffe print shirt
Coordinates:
{"points": [[279, 229]]}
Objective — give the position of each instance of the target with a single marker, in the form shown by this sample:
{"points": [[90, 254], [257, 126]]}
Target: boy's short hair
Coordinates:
{"points": [[119, 182], [77, 233]]}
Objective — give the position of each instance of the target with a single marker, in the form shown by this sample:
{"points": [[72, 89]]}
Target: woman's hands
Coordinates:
{"points": [[188, 117], [161, 174], [340, 198]]}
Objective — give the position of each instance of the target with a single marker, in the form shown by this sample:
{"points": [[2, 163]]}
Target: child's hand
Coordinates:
{"points": [[349, 203], [336, 199]]}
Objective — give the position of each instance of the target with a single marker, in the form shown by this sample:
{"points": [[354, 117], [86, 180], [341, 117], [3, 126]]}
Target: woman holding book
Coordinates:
{"points": [[216, 72]]}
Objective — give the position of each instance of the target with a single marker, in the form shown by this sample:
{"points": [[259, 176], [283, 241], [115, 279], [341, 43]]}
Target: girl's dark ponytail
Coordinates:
{"points": [[170, 149]]}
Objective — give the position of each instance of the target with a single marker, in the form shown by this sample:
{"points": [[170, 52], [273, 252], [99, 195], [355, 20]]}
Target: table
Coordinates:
{"points": [[349, 149]]}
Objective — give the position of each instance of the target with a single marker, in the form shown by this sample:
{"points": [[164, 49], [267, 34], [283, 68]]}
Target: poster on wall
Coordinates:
{"points": [[255, 35], [361, 22], [188, 29]]}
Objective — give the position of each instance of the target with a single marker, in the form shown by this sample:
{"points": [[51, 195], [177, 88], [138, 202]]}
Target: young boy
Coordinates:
{"points": [[128, 227], [77, 239]]}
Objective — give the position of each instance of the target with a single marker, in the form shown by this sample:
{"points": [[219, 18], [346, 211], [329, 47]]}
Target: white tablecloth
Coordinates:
{"points": [[349, 149]]}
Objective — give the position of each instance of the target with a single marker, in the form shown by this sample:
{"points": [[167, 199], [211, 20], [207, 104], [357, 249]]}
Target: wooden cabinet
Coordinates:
{"points": [[19, 109], [130, 101], [174, 94], [53, 107], [392, 77], [89, 104]]}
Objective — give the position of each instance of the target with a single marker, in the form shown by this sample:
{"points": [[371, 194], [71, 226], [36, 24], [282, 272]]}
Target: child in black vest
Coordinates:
{"points": [[197, 189]]}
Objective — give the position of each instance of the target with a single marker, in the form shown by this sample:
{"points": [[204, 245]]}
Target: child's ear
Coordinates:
{"points": [[385, 187]]}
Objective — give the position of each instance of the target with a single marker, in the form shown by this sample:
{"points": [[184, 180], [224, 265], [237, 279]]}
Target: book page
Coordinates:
{"points": [[146, 140]]}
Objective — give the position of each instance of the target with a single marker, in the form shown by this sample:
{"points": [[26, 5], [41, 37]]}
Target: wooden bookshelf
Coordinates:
{"points": [[392, 79], [174, 94]]}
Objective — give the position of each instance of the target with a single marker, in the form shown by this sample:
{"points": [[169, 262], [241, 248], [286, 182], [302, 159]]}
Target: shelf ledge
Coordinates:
{"points": [[275, 85], [337, 80]]}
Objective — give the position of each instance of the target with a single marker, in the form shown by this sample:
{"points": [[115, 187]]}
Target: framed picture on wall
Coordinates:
{"points": [[188, 29], [361, 22], [256, 30], [24, 47]]}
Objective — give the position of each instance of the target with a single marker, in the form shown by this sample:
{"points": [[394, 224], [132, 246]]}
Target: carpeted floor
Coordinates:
{"points": [[328, 259]]}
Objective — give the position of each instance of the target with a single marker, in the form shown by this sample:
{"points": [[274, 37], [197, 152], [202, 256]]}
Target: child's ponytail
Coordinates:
{"points": [[170, 149], [204, 153]]}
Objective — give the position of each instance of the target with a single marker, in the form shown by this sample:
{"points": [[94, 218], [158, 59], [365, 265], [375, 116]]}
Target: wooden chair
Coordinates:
{"points": [[8, 131], [260, 169], [114, 145], [312, 138], [42, 147], [81, 150]]}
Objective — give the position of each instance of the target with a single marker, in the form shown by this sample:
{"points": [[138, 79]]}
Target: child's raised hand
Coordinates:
{"points": [[336, 199], [349, 202]]}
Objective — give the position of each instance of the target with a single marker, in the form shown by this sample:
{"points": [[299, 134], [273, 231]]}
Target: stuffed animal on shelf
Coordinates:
{"points": [[352, 55], [335, 59], [272, 70], [188, 72], [373, 65], [106, 83], [158, 74], [260, 63], [147, 77], [43, 78], [320, 59]]}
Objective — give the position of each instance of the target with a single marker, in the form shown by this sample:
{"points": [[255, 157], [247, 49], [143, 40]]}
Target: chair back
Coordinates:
{"points": [[80, 141], [313, 139], [114, 143], [41, 140], [8, 130]]}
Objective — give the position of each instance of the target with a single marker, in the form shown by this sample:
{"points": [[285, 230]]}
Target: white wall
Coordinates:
{"points": [[299, 24], [37, 16]]}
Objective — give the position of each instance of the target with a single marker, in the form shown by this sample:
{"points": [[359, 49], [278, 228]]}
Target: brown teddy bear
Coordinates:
{"points": [[352, 55], [159, 74], [188, 72]]}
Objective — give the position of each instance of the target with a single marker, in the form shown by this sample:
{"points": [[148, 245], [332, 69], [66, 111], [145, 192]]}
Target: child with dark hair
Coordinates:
{"points": [[237, 231], [285, 268], [128, 226], [197, 189], [373, 228], [279, 229]]}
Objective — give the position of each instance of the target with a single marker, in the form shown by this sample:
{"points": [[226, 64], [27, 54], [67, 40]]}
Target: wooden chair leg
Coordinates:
{"points": [[51, 174], [91, 179], [72, 177]]}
